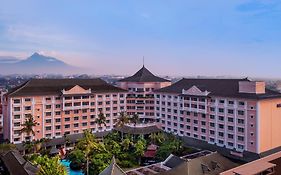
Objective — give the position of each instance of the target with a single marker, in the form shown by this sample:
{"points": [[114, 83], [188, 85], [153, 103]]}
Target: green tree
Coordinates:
{"points": [[87, 144], [28, 125], [140, 147], [49, 166], [126, 143], [101, 119], [99, 161]]}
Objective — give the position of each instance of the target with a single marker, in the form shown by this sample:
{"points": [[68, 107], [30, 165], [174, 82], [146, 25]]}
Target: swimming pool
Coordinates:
{"points": [[66, 163]]}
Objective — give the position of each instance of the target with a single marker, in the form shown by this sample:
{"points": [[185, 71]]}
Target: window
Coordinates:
{"points": [[76, 118], [221, 101], [221, 118], [230, 136], [48, 99], [68, 104], [76, 125], [16, 101], [212, 117], [230, 144], [67, 119], [48, 120], [241, 121], [27, 99], [16, 124], [240, 138], [84, 117], [221, 126], [67, 112], [16, 108], [241, 103], [67, 126], [16, 116], [48, 106], [57, 126], [48, 113], [77, 104], [212, 124], [84, 124], [230, 111], [230, 128], [240, 146], [57, 120], [221, 134], [27, 108], [229, 119], [221, 110], [239, 129], [240, 112], [231, 102], [48, 128]]}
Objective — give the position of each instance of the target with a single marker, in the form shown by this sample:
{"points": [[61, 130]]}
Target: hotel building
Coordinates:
{"points": [[61, 106], [140, 98], [236, 114]]}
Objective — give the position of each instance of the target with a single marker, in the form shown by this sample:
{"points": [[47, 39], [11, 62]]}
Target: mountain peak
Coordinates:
{"points": [[35, 54]]}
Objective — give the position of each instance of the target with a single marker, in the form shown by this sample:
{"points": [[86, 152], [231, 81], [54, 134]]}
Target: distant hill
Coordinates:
{"points": [[36, 64]]}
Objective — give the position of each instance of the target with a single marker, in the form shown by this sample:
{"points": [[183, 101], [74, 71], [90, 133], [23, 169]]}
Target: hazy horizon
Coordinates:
{"points": [[177, 38]]}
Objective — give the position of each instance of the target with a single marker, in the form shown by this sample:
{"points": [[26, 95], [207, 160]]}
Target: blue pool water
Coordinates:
{"points": [[66, 163]]}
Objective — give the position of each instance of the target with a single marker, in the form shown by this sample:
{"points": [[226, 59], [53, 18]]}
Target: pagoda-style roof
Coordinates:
{"points": [[144, 75], [16, 164], [113, 169]]}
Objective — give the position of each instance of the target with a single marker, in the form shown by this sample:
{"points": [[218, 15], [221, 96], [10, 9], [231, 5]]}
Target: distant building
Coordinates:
{"points": [[140, 99], [237, 114], [61, 107]]}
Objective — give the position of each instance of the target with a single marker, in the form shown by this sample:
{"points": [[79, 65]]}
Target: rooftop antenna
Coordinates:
{"points": [[143, 61]]}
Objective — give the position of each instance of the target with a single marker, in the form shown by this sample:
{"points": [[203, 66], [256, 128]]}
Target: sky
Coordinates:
{"points": [[176, 37]]}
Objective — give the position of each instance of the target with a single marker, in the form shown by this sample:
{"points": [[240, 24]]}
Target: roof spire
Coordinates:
{"points": [[143, 61]]}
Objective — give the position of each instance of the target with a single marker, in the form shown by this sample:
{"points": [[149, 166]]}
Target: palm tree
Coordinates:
{"points": [[123, 119], [157, 138], [101, 119], [153, 137], [134, 119], [28, 126], [87, 144]]}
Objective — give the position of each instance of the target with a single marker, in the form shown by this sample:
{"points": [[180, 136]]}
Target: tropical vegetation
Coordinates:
{"points": [[49, 166]]}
